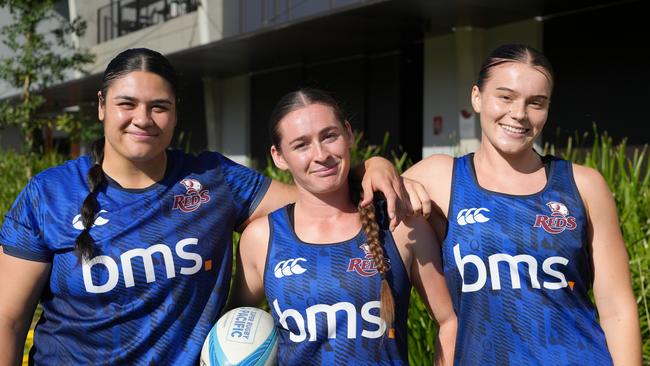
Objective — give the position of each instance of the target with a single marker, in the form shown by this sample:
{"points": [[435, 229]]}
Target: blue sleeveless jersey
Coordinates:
{"points": [[162, 266], [519, 271], [325, 299]]}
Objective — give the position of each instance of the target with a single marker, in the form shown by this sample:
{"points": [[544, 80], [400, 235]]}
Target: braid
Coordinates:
{"points": [[386, 300], [84, 244]]}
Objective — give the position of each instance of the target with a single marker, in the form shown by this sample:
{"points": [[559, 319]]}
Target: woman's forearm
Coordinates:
{"points": [[623, 335], [12, 341], [446, 343]]}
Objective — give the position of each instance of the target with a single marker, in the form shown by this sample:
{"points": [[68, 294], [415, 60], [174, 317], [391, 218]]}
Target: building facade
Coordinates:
{"points": [[403, 67]]}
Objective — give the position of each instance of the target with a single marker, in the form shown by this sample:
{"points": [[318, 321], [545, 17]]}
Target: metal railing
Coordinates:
{"points": [[121, 17], [241, 16]]}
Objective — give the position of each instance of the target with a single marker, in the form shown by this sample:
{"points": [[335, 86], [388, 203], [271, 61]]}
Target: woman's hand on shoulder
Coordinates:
{"points": [[435, 174], [381, 176], [418, 196]]}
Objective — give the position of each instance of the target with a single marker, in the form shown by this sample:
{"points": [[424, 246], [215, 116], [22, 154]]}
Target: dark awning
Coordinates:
{"points": [[367, 28]]}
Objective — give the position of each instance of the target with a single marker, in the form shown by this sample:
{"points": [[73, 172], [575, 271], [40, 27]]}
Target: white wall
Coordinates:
{"points": [[439, 95], [176, 34]]}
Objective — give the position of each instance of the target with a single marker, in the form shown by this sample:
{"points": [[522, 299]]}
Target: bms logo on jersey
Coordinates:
{"points": [[305, 328], [558, 221], [551, 266], [193, 198], [366, 266], [107, 271]]}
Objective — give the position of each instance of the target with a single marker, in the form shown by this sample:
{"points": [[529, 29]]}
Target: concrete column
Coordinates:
{"points": [[236, 118], [72, 13], [210, 21], [440, 124], [212, 101], [470, 51]]}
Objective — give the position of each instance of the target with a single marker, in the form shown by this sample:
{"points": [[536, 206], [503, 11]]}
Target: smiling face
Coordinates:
{"points": [[513, 106], [139, 116], [315, 148]]}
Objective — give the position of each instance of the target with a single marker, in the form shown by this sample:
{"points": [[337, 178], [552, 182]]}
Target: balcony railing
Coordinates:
{"points": [[241, 16], [121, 17]]}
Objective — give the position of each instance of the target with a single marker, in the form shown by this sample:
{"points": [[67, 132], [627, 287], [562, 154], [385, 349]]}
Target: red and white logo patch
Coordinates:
{"points": [[365, 266], [194, 197], [558, 221]]}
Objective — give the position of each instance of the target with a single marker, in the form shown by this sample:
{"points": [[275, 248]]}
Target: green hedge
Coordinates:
{"points": [[15, 170], [627, 176]]}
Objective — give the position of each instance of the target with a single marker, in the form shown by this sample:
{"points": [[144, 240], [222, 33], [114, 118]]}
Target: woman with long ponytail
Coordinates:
{"points": [[336, 278], [84, 246], [529, 240], [129, 249]]}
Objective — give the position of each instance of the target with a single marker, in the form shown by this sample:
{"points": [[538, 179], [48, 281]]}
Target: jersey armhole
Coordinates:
{"points": [[407, 272], [577, 194], [588, 250], [268, 253], [451, 199]]}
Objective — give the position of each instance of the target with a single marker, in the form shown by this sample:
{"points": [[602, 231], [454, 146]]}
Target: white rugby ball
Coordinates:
{"points": [[242, 336]]}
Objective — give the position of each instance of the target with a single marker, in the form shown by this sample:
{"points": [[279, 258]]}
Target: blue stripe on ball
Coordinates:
{"points": [[259, 357], [217, 356]]}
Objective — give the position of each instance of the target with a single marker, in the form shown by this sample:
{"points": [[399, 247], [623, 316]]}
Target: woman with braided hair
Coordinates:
{"points": [[336, 279], [129, 251]]}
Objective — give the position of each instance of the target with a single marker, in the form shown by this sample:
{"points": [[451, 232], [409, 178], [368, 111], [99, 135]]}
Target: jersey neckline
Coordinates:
{"points": [[549, 170], [289, 212], [112, 183]]}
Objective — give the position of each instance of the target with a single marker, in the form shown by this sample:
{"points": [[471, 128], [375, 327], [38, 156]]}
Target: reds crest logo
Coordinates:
{"points": [[558, 221], [365, 266], [193, 198]]}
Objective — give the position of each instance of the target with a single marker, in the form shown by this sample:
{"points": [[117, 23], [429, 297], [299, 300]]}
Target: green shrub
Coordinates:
{"points": [[15, 170]]}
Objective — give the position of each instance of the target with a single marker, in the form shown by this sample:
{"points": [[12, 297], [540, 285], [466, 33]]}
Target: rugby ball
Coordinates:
{"points": [[242, 336]]}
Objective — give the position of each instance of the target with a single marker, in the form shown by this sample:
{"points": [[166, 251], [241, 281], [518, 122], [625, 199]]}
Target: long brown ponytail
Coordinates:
{"points": [[386, 300]]}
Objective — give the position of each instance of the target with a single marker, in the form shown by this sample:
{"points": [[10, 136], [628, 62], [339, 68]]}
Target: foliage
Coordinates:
{"points": [[16, 170], [37, 60], [80, 125]]}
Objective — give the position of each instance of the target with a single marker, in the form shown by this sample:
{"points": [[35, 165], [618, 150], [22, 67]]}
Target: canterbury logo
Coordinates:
{"points": [[289, 267], [472, 216], [78, 224]]}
